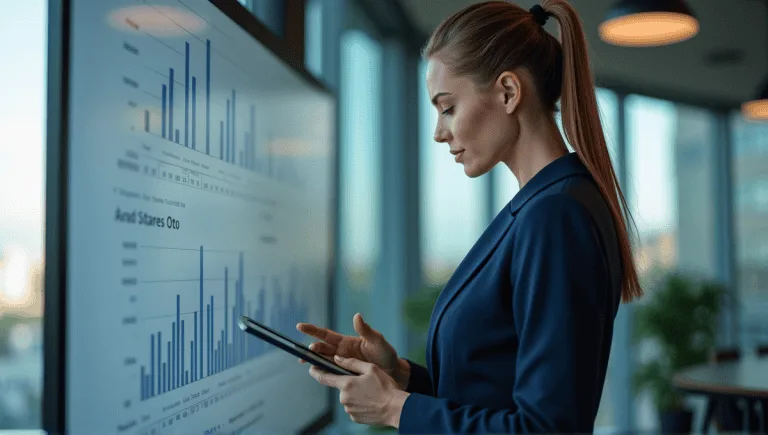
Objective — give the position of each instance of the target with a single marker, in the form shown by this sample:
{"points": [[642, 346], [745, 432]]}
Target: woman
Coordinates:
{"points": [[520, 336]]}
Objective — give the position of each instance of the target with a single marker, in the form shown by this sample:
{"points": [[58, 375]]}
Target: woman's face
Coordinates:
{"points": [[477, 125]]}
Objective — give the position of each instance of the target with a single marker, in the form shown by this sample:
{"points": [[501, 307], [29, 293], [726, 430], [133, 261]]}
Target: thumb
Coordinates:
{"points": [[364, 329], [353, 364]]}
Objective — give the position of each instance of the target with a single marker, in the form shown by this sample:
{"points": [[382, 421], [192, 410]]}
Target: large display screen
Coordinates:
{"points": [[199, 190]]}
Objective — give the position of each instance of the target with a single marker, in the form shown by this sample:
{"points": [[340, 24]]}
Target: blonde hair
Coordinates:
{"points": [[485, 39]]}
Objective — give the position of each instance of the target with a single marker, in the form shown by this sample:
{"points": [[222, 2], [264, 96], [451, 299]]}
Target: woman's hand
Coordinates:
{"points": [[372, 397], [369, 347]]}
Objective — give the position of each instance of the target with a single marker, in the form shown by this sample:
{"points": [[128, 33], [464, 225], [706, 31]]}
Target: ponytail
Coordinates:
{"points": [[583, 130]]}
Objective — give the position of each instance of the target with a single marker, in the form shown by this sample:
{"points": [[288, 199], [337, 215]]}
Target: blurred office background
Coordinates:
{"points": [[694, 169]]}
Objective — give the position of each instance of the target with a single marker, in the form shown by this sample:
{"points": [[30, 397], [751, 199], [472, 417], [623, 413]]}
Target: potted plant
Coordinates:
{"points": [[681, 318]]}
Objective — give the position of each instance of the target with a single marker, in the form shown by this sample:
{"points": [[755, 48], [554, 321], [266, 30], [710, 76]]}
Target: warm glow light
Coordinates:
{"points": [[649, 29], [156, 20], [756, 110]]}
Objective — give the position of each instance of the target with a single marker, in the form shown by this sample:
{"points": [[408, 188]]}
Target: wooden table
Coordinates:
{"points": [[744, 379]]}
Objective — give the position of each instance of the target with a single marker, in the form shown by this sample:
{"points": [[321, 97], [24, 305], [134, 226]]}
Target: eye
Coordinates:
{"points": [[447, 111]]}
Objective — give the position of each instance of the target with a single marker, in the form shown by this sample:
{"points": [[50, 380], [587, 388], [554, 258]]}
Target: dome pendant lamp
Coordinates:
{"points": [[648, 23], [757, 109]]}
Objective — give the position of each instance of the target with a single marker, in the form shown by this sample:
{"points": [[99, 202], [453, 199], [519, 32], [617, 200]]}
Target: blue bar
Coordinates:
{"points": [[173, 357], [164, 379], [233, 126], [170, 105], [183, 355], [152, 368], [177, 135], [168, 369], [143, 384], [207, 99], [194, 112], [212, 323], [200, 343], [225, 334], [159, 361], [252, 136], [234, 331], [186, 94], [241, 305], [193, 359], [179, 343], [208, 340], [221, 139], [228, 124], [146, 121], [164, 109]]}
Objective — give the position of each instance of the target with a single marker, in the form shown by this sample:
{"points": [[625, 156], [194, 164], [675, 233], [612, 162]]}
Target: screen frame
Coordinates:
{"points": [[54, 397]]}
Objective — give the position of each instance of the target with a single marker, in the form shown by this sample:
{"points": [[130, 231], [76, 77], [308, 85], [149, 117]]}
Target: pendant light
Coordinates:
{"points": [[757, 109], [648, 23]]}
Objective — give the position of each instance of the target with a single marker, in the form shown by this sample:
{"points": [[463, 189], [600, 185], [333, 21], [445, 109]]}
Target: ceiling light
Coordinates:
{"points": [[647, 23], [757, 109]]}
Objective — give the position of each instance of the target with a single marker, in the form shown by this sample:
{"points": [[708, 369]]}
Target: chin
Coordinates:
{"points": [[474, 170]]}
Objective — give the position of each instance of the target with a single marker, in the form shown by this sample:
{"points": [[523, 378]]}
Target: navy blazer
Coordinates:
{"points": [[520, 336]]}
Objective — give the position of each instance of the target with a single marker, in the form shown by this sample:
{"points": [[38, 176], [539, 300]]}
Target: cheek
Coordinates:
{"points": [[468, 129]]}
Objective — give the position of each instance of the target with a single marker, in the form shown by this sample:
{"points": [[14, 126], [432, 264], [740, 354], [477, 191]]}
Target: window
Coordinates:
{"points": [[270, 12], [452, 204], [313, 37], [651, 194], [360, 190], [750, 189], [23, 35]]}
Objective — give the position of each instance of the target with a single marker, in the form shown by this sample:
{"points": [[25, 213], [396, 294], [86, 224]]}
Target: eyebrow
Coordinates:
{"points": [[437, 96]]}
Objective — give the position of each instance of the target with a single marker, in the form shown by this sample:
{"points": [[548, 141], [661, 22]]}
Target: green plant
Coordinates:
{"points": [[681, 317], [417, 311]]}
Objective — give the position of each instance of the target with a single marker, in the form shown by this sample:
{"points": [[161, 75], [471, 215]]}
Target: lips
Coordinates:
{"points": [[458, 155]]}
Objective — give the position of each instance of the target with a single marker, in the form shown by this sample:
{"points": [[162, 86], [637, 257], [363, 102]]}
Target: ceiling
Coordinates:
{"points": [[682, 71]]}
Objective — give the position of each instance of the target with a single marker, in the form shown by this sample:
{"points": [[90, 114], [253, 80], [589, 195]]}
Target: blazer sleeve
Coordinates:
{"points": [[559, 283], [419, 380]]}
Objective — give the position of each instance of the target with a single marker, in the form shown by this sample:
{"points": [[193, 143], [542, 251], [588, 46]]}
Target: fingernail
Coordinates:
{"points": [[338, 358]]}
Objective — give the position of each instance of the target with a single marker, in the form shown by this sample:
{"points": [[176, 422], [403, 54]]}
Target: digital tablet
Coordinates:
{"points": [[294, 348]]}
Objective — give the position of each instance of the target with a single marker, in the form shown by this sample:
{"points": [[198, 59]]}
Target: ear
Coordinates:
{"points": [[510, 90]]}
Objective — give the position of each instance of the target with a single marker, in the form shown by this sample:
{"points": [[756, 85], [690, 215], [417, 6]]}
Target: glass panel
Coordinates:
{"points": [[361, 59], [313, 37], [270, 12], [671, 193], [750, 201], [23, 32]]}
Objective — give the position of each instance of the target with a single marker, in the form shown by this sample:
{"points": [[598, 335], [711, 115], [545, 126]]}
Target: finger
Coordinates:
{"points": [[325, 378], [324, 334], [363, 328], [323, 348], [354, 364]]}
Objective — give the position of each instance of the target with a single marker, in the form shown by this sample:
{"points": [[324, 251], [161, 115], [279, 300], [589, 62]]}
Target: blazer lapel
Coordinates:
{"points": [[467, 269]]}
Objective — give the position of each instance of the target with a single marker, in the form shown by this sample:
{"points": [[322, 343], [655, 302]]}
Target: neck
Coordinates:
{"points": [[539, 144]]}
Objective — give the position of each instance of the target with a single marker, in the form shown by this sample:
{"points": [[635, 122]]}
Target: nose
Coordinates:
{"points": [[442, 135]]}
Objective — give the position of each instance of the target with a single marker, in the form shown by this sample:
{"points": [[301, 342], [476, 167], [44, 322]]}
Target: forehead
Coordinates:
{"points": [[438, 76]]}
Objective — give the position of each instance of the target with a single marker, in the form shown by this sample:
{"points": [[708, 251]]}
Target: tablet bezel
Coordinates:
{"points": [[291, 346]]}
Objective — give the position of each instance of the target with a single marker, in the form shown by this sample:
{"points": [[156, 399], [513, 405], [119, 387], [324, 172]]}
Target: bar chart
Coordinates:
{"points": [[221, 136], [187, 356]]}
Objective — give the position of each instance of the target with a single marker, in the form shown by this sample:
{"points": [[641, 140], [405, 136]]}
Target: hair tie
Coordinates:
{"points": [[539, 14]]}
